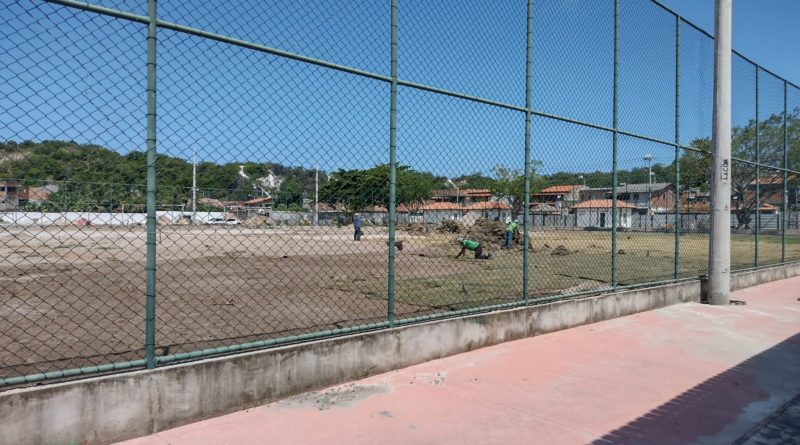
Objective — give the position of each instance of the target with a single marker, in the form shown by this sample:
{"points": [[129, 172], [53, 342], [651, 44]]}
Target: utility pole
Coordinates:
{"points": [[719, 258], [194, 186], [649, 158]]}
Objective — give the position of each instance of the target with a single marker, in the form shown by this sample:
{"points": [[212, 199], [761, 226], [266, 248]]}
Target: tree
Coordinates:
{"points": [[696, 166], [474, 181], [289, 193], [106, 180], [359, 189], [509, 185]]}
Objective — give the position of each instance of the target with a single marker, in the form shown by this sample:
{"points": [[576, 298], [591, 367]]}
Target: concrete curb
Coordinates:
{"points": [[122, 406]]}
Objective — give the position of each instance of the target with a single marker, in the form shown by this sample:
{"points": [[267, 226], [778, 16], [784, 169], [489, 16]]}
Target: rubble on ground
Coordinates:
{"points": [[560, 250], [414, 229], [450, 226]]}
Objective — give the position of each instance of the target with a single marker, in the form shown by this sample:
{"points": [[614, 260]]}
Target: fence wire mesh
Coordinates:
{"points": [[309, 183]]}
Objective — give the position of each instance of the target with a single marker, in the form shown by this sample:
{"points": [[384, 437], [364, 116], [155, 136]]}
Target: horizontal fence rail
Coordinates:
{"points": [[204, 178]]}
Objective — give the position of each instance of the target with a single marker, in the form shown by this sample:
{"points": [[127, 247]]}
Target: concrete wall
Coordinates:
{"points": [[116, 407], [98, 219]]}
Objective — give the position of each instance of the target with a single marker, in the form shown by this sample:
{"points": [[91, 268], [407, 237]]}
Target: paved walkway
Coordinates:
{"points": [[684, 374]]}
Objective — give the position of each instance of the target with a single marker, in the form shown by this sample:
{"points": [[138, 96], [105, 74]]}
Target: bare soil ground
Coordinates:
{"points": [[76, 296]]}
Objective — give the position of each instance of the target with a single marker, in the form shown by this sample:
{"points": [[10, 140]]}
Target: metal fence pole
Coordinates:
{"points": [[785, 200], [392, 163], [528, 104], [758, 172], [677, 265], [614, 222], [150, 310]]}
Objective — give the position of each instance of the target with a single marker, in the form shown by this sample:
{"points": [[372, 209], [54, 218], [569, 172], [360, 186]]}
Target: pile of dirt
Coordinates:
{"points": [[489, 231], [560, 250], [414, 229], [450, 226]]}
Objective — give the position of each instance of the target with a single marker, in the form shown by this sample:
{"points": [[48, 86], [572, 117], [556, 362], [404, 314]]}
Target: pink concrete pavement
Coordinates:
{"points": [[683, 374]]}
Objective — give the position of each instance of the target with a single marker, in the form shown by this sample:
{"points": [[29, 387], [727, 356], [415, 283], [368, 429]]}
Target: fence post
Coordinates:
{"points": [[785, 200], [758, 173], [150, 310], [528, 104], [392, 163], [614, 150], [677, 265]]}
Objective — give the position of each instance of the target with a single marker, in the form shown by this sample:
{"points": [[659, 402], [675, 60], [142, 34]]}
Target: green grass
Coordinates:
{"points": [[647, 258]]}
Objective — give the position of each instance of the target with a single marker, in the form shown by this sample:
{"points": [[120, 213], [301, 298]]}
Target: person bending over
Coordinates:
{"points": [[472, 246]]}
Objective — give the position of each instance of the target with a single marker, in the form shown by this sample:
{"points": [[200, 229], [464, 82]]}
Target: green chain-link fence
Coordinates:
{"points": [[193, 178]]}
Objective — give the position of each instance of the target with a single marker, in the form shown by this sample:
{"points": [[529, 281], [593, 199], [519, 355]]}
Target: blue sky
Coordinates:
{"points": [[764, 30], [72, 75]]}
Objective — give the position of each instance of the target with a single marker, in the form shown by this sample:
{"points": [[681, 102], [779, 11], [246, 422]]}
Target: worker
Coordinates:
{"points": [[357, 227], [511, 227], [472, 246]]}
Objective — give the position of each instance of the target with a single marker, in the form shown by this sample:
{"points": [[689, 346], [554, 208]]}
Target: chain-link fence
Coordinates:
{"points": [[208, 177]]}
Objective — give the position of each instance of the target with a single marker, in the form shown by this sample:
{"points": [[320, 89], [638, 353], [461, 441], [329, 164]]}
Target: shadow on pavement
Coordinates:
{"points": [[745, 403]]}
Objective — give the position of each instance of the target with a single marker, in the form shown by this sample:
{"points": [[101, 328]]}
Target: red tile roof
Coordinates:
{"points": [[602, 204], [258, 201], [489, 205], [462, 192], [441, 206], [557, 189]]}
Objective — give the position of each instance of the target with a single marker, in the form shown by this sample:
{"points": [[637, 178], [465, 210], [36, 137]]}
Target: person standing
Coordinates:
{"points": [[357, 227], [511, 227]]}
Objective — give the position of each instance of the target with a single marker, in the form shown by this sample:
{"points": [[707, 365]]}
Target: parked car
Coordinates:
{"points": [[224, 221]]}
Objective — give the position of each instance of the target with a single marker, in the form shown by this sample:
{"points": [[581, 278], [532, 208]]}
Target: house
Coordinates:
{"points": [[488, 210], [38, 195], [10, 195], [597, 213], [642, 197], [538, 208], [461, 196], [257, 203], [436, 212], [380, 215], [560, 196]]}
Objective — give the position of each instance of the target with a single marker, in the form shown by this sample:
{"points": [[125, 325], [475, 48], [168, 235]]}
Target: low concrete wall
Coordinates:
{"points": [[116, 407], [751, 278]]}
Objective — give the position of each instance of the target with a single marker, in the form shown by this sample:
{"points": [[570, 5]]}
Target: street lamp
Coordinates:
{"points": [[649, 158], [458, 194]]}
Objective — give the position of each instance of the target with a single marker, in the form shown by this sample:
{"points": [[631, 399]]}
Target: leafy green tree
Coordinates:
{"points": [[290, 193], [509, 185], [359, 189], [474, 181]]}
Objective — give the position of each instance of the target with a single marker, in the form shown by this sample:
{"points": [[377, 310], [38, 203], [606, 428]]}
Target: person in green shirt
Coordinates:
{"points": [[472, 246], [511, 227]]}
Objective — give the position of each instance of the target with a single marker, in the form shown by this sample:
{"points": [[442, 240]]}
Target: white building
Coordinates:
{"points": [[597, 213]]}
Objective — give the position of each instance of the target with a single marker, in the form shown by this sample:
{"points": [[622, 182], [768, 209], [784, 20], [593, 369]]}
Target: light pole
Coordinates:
{"points": [[649, 158], [194, 187], [316, 195], [458, 194]]}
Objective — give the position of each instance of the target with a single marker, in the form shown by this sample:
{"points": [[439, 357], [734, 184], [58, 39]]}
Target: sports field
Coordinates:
{"points": [[76, 296]]}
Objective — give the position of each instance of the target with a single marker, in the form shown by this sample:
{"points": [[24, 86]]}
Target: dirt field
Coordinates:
{"points": [[76, 296]]}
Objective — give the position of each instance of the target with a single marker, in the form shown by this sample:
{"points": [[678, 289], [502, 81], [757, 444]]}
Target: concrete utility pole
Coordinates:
{"points": [[649, 159], [719, 258], [194, 186]]}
